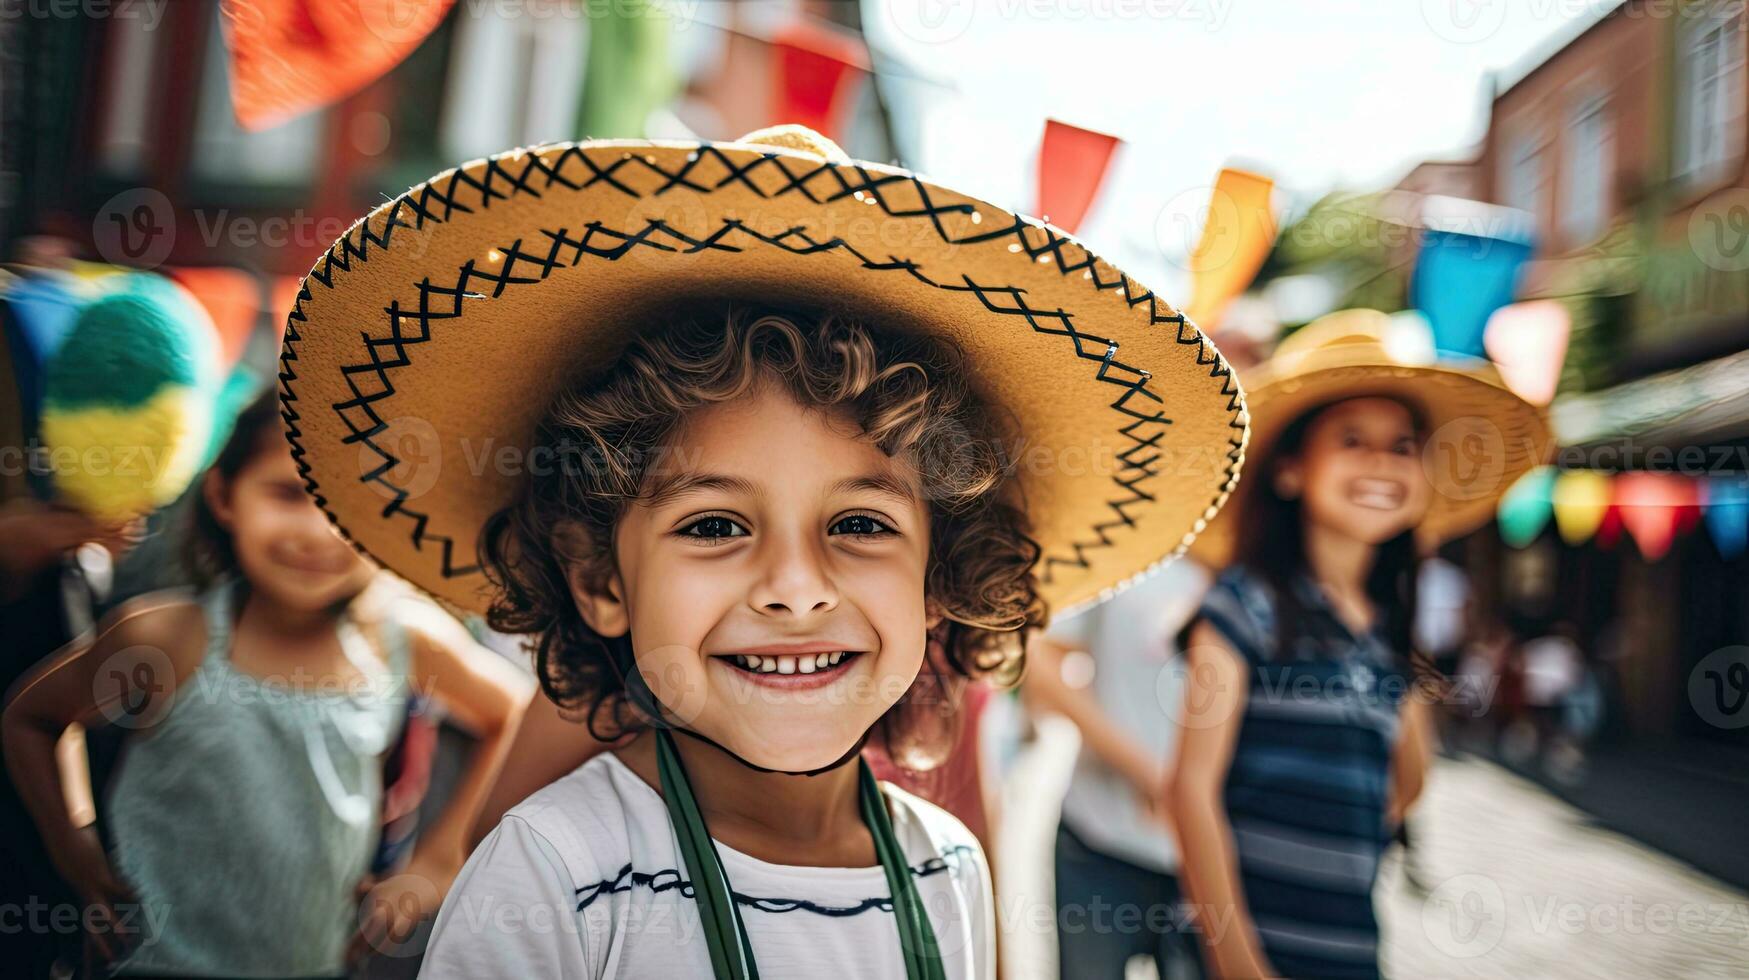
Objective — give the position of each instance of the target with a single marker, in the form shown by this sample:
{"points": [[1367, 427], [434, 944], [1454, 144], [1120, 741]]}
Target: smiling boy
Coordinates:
{"points": [[785, 523]]}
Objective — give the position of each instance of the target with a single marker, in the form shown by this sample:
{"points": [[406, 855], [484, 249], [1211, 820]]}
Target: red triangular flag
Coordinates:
{"points": [[813, 65], [1071, 166], [1609, 531]]}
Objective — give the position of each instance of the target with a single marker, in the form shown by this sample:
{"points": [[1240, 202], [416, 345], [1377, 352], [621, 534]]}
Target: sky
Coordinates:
{"points": [[1318, 94]]}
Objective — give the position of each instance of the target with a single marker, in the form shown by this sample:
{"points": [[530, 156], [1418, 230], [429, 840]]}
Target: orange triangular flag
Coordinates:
{"points": [[291, 56]]}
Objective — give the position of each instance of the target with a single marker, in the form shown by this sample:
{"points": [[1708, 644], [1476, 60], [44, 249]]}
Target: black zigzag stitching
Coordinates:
{"points": [[669, 879], [528, 172]]}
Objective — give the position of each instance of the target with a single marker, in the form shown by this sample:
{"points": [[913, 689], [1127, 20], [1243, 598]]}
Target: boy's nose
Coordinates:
{"points": [[794, 580]]}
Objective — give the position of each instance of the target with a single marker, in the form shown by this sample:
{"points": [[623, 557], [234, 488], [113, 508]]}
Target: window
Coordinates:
{"points": [[280, 156], [128, 97], [515, 78], [1526, 176], [1709, 93], [1585, 209]]}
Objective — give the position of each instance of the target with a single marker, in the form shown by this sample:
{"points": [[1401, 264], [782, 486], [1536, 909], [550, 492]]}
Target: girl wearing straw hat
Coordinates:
{"points": [[1304, 736], [736, 432]]}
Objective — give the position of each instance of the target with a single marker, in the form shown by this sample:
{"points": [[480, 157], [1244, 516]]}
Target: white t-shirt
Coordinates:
{"points": [[1138, 681], [584, 879]]}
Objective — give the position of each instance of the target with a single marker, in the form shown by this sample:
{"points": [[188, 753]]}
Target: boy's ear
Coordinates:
{"points": [[932, 616], [601, 603]]}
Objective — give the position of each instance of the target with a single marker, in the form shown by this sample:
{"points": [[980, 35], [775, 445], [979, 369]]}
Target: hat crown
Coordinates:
{"points": [[793, 136], [1354, 335]]}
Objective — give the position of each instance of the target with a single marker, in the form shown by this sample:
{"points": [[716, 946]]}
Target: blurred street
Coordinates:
{"points": [[1521, 885]]}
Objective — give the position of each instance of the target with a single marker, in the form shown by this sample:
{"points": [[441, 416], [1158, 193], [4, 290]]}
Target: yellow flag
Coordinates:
{"points": [[1581, 497], [1235, 240]]}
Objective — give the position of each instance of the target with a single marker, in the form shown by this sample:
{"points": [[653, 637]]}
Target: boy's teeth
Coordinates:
{"points": [[805, 663]]}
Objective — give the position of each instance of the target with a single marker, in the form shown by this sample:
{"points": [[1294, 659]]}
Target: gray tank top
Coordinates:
{"points": [[250, 812]]}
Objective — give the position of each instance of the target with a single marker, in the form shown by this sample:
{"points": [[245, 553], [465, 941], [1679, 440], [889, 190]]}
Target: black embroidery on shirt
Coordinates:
{"points": [[669, 879]]}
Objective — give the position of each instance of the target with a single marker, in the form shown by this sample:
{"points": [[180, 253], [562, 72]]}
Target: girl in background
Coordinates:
{"points": [[246, 809], [1305, 732]]}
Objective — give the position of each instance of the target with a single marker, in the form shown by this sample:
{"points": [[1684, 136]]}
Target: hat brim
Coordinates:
{"points": [[428, 341], [1481, 437]]}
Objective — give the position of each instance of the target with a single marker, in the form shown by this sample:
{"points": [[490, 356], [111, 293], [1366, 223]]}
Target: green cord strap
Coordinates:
{"points": [[730, 959], [733, 959], [916, 935]]}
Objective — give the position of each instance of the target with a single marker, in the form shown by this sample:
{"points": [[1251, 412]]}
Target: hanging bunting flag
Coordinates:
{"points": [[1525, 507], [1528, 342], [1688, 512], [232, 297], [628, 73], [1651, 508], [818, 69], [291, 56], [1580, 499], [1461, 278], [1727, 514], [1071, 166], [1609, 529], [1236, 238]]}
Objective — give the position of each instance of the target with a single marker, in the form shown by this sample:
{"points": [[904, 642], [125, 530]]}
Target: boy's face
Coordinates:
{"points": [[773, 581]]}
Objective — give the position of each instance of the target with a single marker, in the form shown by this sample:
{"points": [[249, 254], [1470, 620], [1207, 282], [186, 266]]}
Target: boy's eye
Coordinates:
{"points": [[713, 527], [859, 524], [1404, 447]]}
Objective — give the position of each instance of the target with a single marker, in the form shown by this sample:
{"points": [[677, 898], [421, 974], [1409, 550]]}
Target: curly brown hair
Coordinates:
{"points": [[908, 395]]}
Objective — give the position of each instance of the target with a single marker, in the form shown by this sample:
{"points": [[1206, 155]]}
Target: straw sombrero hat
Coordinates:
{"points": [[428, 341], [1480, 435]]}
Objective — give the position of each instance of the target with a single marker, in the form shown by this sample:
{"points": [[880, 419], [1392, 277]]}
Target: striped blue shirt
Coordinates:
{"points": [[1309, 782]]}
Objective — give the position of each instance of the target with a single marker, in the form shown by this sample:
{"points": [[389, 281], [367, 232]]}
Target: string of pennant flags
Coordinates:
{"points": [[1653, 508]]}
